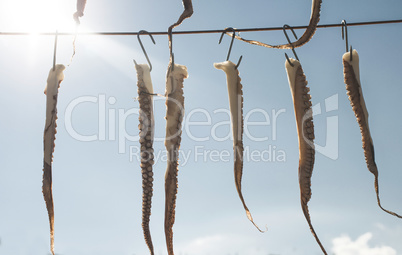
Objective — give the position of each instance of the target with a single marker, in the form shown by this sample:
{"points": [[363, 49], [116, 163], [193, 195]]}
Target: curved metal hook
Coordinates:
{"points": [[231, 43], [142, 46], [287, 38], [170, 37], [55, 50], [345, 31]]}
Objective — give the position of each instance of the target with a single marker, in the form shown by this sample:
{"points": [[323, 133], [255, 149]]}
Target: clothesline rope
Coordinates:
{"points": [[208, 31]]}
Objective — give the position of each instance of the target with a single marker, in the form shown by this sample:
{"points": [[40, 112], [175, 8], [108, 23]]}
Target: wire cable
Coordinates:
{"points": [[215, 31]]}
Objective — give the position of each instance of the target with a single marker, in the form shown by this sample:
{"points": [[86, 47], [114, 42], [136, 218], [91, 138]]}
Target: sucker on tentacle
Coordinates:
{"points": [[146, 127], [51, 91], [305, 38], [354, 91], [236, 109], [174, 118], [305, 132]]}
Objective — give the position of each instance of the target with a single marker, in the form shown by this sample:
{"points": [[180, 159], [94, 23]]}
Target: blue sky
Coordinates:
{"points": [[97, 188]]}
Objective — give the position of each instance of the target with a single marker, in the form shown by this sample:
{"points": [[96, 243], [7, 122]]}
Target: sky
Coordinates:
{"points": [[96, 173]]}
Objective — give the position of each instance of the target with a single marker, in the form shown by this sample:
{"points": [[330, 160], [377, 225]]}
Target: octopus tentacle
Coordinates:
{"points": [[51, 91], [354, 91], [174, 118], [146, 128], [80, 10], [236, 109], [305, 38], [188, 11], [305, 131], [79, 13]]}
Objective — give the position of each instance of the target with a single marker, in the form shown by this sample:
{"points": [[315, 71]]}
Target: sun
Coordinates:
{"points": [[35, 16]]}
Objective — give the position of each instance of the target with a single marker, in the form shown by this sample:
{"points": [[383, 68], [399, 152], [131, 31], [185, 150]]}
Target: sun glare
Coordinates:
{"points": [[37, 16]]}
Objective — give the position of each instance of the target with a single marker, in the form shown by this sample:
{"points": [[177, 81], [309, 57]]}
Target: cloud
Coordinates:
{"points": [[345, 246]]}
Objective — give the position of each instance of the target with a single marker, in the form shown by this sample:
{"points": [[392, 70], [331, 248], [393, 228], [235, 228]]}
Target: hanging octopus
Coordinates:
{"points": [[305, 38], [305, 131], [236, 109], [54, 79], [354, 91], [174, 118], [146, 128]]}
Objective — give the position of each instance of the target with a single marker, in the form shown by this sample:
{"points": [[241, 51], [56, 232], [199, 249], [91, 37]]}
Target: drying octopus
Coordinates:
{"points": [[307, 35], [174, 118], [54, 79], [354, 91], [146, 127], [236, 109], [305, 131]]}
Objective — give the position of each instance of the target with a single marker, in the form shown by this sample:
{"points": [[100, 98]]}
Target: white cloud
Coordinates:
{"points": [[345, 246]]}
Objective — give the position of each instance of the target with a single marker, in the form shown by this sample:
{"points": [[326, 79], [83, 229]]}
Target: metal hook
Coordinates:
{"points": [[231, 43], [170, 35], [172, 61], [345, 31], [351, 55], [55, 51], [287, 38], [142, 46]]}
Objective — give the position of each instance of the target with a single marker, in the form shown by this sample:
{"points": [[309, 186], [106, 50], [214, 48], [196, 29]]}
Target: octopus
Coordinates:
{"points": [[146, 127], [80, 10], [305, 131], [174, 117], [54, 79], [236, 109], [305, 38], [354, 91]]}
